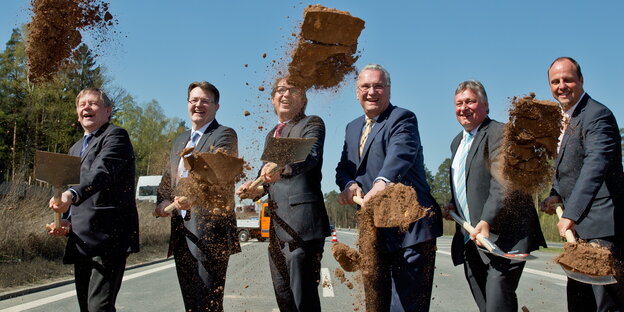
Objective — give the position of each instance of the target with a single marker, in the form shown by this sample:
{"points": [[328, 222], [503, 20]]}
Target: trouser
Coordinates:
{"points": [[98, 280], [201, 282], [586, 297], [493, 280], [404, 280], [295, 271]]}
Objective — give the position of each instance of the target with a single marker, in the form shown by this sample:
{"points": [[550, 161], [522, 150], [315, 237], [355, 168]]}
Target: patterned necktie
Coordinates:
{"points": [[365, 133], [278, 129], [85, 143], [461, 177]]}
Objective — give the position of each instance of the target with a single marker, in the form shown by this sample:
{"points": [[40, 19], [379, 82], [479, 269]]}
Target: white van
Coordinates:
{"points": [[146, 188]]}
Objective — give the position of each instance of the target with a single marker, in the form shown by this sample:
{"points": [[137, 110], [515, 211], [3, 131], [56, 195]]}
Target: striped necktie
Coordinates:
{"points": [[278, 129], [85, 143], [365, 133], [461, 177]]}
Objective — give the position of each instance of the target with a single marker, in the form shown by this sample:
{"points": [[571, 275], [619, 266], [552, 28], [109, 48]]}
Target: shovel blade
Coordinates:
{"points": [[57, 169], [507, 255], [217, 168], [588, 279], [283, 151]]}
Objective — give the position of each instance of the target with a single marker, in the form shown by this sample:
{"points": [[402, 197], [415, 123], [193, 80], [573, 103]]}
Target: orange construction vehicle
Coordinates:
{"points": [[255, 225]]}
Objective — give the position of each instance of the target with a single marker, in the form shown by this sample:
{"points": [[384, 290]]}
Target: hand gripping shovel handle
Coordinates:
{"points": [[482, 239], [358, 200], [568, 233], [259, 180]]}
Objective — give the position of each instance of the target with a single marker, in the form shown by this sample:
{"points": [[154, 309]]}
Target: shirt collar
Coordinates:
{"points": [[473, 132], [202, 129]]}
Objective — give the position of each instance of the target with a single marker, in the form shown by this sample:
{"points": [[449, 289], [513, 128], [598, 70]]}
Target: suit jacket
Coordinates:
{"points": [[588, 172], [204, 234], [297, 198], [393, 151], [485, 192], [104, 216]]}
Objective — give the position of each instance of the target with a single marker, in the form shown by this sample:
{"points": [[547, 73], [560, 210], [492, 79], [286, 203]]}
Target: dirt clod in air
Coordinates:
{"points": [[396, 206], [54, 32], [327, 47], [587, 259], [530, 141], [260, 88], [525, 309], [263, 55], [246, 113], [347, 257]]}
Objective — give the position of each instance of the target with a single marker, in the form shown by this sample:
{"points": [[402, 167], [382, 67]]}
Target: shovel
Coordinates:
{"points": [[582, 277], [58, 170], [213, 168], [283, 151], [489, 245]]}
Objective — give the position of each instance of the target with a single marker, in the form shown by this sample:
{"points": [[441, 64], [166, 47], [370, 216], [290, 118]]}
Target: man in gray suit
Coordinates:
{"points": [[478, 193], [299, 222], [588, 180], [200, 242], [104, 221]]}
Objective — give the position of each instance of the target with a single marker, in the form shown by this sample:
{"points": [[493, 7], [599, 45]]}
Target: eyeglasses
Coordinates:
{"points": [[196, 101], [375, 87], [293, 90]]}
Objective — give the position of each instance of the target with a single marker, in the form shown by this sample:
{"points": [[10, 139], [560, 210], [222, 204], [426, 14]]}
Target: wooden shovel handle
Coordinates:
{"points": [[57, 200], [183, 200], [568, 233], [358, 200], [273, 167], [468, 227]]}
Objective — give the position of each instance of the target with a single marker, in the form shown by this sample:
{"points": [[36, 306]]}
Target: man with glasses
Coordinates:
{"points": [[200, 242], [299, 222], [381, 147]]}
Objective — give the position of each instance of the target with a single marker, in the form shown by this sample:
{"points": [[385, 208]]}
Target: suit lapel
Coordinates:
{"points": [[204, 138], [94, 140], [475, 145], [575, 120]]}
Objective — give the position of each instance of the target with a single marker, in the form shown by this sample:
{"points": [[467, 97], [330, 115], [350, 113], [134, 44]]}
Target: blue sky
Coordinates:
{"points": [[428, 47]]}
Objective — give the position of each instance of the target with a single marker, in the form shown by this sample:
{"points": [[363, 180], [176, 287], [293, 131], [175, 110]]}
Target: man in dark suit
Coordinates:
{"points": [[381, 147], [104, 220], [201, 242], [299, 222], [478, 194], [588, 180]]}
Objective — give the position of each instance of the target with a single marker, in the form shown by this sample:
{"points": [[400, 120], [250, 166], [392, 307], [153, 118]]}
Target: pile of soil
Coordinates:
{"points": [[396, 206], [588, 259], [211, 180], [369, 255], [326, 50], [530, 141], [54, 32]]}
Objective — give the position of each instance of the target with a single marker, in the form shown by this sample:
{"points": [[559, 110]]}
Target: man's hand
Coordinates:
{"points": [[446, 211], [182, 204], [244, 191], [377, 187], [159, 210], [59, 231], [482, 228], [267, 175], [63, 206], [564, 225], [346, 196], [549, 204]]}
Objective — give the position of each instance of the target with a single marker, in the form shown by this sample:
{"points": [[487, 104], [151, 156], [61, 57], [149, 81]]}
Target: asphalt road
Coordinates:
{"points": [[248, 288]]}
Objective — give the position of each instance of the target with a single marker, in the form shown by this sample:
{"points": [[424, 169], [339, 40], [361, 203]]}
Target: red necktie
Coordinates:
{"points": [[278, 129]]}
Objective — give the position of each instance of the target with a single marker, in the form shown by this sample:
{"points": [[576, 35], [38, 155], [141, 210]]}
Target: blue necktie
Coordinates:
{"points": [[461, 179], [85, 143]]}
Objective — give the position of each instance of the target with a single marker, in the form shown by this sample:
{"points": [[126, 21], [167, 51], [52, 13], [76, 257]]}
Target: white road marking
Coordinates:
{"points": [[67, 294], [326, 283], [350, 233]]}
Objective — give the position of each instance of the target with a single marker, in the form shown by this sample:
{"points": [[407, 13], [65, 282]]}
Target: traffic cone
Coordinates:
{"points": [[334, 239]]}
